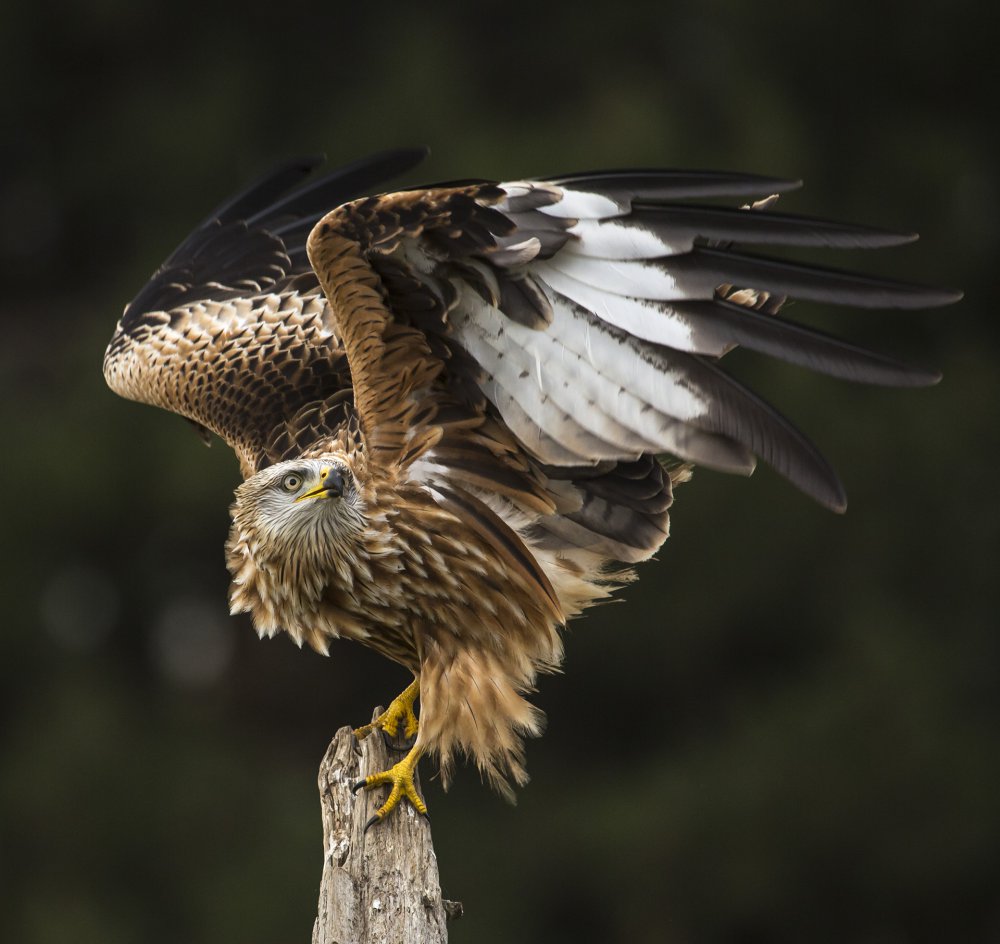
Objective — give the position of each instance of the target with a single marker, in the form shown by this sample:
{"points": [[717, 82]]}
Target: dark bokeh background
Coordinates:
{"points": [[789, 729]]}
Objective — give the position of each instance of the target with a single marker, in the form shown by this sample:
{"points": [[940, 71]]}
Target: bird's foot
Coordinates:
{"points": [[400, 776], [400, 711]]}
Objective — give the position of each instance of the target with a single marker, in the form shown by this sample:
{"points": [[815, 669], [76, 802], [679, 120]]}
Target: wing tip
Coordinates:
{"points": [[926, 296], [877, 238], [920, 376], [393, 161], [829, 492], [784, 184]]}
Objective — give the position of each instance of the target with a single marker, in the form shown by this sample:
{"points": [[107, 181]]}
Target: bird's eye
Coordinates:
{"points": [[291, 482]]}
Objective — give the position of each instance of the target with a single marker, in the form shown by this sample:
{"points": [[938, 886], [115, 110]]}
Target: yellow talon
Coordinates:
{"points": [[400, 775], [400, 710]]}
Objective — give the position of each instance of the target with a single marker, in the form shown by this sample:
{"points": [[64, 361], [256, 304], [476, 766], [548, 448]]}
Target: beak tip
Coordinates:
{"points": [[333, 482]]}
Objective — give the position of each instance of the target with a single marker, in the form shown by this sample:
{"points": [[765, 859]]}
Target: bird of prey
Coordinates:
{"points": [[461, 411]]}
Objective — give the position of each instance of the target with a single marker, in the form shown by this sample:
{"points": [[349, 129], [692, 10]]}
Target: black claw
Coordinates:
{"points": [[358, 786], [369, 824]]}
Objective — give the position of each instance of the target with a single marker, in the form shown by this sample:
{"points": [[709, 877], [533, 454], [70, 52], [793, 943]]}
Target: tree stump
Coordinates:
{"points": [[380, 886]]}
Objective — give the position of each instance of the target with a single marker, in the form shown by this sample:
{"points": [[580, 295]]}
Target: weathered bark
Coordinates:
{"points": [[379, 886]]}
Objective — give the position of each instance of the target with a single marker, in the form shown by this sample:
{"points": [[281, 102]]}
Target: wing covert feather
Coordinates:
{"points": [[596, 310], [233, 332]]}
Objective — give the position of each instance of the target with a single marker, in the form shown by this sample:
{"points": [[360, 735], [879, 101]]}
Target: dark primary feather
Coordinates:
{"points": [[807, 347], [743, 416], [237, 242], [683, 221], [313, 199], [264, 191], [660, 185], [702, 270]]}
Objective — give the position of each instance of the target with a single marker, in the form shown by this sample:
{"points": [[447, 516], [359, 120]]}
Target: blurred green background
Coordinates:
{"points": [[789, 729]]}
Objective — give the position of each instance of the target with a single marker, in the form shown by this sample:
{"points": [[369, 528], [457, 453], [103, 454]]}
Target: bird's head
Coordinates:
{"points": [[299, 503]]}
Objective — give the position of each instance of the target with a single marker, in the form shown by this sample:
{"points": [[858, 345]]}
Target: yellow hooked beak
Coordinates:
{"points": [[331, 485]]}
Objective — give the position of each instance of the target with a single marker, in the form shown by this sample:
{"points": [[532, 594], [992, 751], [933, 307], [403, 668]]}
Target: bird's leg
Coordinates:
{"points": [[400, 775], [400, 710]]}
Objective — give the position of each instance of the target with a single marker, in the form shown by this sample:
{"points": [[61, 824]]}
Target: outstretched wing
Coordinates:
{"points": [[536, 345], [233, 331], [585, 317]]}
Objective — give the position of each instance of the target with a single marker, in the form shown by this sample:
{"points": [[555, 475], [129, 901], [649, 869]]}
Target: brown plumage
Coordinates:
{"points": [[460, 411]]}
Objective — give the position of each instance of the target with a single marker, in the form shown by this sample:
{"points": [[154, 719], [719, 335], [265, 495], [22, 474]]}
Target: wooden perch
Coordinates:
{"points": [[381, 885]]}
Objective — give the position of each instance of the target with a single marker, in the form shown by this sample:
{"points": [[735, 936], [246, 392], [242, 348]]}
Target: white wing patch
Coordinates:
{"points": [[619, 277], [598, 397], [639, 316], [575, 204], [611, 239]]}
